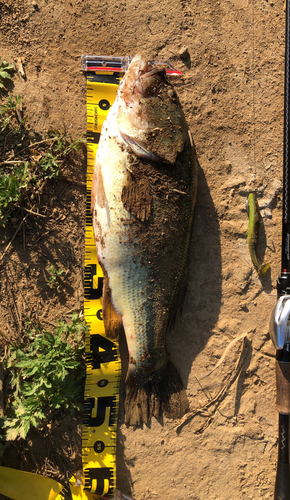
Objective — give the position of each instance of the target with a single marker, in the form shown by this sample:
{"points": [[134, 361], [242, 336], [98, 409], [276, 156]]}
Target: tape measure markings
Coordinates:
{"points": [[103, 367]]}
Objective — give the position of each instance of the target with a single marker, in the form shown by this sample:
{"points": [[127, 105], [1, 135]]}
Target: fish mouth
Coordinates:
{"points": [[147, 76], [150, 81]]}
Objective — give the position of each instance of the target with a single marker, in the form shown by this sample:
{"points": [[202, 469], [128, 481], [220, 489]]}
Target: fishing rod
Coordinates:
{"points": [[280, 319]]}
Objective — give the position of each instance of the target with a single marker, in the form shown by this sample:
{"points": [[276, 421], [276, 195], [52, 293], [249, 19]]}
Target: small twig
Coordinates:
{"points": [[13, 238], [220, 361], [30, 211], [205, 425], [70, 311], [216, 399], [49, 322], [11, 162], [32, 145], [12, 316], [177, 191], [209, 397], [5, 337], [189, 416], [20, 68], [18, 315], [190, 138], [18, 115]]}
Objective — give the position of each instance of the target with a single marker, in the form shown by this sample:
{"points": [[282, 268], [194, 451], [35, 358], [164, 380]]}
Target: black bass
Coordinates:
{"points": [[143, 197]]}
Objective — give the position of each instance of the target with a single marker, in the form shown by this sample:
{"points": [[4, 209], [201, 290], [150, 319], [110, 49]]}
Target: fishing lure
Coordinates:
{"points": [[253, 232]]}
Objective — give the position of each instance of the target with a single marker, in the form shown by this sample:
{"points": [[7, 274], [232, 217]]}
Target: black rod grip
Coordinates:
{"points": [[282, 489], [282, 485]]}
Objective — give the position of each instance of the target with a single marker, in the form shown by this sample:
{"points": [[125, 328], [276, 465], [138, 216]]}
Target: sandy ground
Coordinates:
{"points": [[231, 53]]}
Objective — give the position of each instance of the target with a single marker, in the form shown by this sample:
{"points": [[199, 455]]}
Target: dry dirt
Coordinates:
{"points": [[231, 53]]}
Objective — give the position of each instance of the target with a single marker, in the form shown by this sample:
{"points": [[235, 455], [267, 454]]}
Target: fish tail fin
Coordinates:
{"points": [[263, 269], [151, 395]]}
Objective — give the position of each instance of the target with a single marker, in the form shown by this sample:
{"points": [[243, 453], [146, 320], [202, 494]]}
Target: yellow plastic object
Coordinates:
{"points": [[103, 362], [20, 485]]}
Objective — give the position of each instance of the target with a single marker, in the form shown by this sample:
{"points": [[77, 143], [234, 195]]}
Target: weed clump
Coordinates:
{"points": [[54, 275], [47, 373], [5, 70], [25, 166]]}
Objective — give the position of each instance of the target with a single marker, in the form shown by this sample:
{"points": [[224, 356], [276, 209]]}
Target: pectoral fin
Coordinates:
{"points": [[98, 190], [112, 321]]}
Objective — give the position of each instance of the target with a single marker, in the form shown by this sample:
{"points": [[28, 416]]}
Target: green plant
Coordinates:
{"points": [[7, 111], [63, 144], [25, 166], [42, 160], [47, 375], [5, 69], [53, 280], [11, 187], [50, 166]]}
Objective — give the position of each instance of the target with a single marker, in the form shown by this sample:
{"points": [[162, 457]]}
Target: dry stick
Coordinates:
{"points": [[11, 162], [189, 416], [32, 145], [30, 211], [220, 361], [13, 317], [49, 322], [13, 238], [190, 138], [209, 397], [18, 315]]}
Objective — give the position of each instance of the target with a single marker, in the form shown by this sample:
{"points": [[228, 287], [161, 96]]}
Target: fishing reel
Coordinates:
{"points": [[280, 323]]}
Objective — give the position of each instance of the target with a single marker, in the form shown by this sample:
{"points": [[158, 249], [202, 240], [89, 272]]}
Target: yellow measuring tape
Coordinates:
{"points": [[103, 363]]}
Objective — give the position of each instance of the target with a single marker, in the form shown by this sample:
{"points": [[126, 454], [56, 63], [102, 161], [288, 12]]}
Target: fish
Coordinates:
{"points": [[253, 234], [143, 197]]}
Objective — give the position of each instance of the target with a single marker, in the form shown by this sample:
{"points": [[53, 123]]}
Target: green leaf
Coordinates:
{"points": [[11, 434], [4, 74], [23, 430]]}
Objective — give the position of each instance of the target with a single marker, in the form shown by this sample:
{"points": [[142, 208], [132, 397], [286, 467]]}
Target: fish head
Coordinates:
{"points": [[150, 119], [146, 78]]}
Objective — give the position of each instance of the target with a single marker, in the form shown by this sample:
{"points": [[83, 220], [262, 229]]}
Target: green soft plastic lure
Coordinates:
{"points": [[253, 232]]}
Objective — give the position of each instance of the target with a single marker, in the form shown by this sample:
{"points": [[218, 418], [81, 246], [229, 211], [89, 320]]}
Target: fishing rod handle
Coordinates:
{"points": [[283, 385], [280, 334], [282, 485]]}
